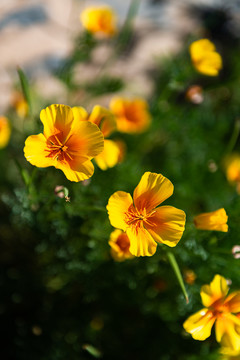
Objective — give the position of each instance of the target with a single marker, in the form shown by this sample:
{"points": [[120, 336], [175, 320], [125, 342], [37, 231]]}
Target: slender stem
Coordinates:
{"points": [[234, 137], [175, 267]]}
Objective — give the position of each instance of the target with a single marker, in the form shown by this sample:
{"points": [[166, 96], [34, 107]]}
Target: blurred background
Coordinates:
{"points": [[62, 295]]}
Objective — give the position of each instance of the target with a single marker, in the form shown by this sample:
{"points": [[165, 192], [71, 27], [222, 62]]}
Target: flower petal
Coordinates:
{"points": [[77, 170], [215, 220], [132, 115], [233, 302], [200, 324], [141, 242], [166, 225], [35, 151], [118, 205], [228, 331], [119, 243], [5, 131], [104, 119], [57, 118], [110, 155], [79, 113], [217, 289], [86, 139], [199, 48], [210, 64], [151, 191]]}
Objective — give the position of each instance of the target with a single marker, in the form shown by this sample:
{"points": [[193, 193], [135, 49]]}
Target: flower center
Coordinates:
{"points": [[135, 218], [219, 307], [57, 150], [123, 242]]}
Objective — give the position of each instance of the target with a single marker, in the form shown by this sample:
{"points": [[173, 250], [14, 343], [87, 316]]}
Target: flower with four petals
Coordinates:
{"points": [[141, 219], [67, 143]]}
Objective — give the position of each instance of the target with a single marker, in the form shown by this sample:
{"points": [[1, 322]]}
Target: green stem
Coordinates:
{"points": [[234, 137], [175, 267]]}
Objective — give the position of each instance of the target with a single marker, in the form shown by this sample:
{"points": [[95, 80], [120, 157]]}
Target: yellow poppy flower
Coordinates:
{"points": [[219, 308], [67, 143], [5, 132], [205, 58], [132, 116], [141, 219], [120, 244], [232, 167], [100, 20], [189, 276], [215, 220]]}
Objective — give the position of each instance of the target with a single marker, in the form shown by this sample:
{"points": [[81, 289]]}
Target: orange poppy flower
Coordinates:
{"points": [[5, 131], [120, 244], [221, 309], [215, 220], [67, 143], [132, 116], [100, 20], [141, 219]]}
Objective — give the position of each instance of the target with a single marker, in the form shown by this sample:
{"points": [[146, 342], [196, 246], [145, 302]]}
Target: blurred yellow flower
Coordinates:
{"points": [[219, 309], [132, 116], [189, 276], [111, 155], [20, 104], [205, 58], [67, 143], [5, 131], [100, 20], [105, 120], [232, 166], [215, 220], [144, 223], [120, 244]]}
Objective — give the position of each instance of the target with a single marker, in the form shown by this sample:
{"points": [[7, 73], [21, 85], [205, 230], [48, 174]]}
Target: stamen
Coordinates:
{"points": [[58, 151]]}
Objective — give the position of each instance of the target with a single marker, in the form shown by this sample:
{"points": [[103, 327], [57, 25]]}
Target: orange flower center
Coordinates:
{"points": [[123, 242], [57, 149], [136, 218], [219, 307]]}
